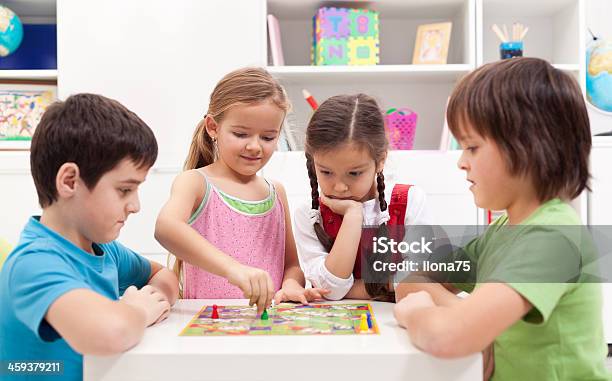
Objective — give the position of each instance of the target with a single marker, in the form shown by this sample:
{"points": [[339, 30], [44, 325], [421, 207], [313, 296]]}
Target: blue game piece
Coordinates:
{"points": [[369, 320]]}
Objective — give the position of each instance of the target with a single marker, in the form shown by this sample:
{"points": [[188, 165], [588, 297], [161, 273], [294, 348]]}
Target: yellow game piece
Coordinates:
{"points": [[363, 325]]}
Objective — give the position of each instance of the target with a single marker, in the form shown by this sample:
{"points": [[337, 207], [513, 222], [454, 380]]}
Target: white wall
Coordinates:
{"points": [[160, 59]]}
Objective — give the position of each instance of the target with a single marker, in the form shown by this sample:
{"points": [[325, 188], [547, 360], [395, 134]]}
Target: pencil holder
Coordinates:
{"points": [[401, 128], [511, 49]]}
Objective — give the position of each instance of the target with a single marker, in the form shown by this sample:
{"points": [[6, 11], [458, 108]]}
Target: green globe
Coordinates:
{"points": [[599, 75], [11, 31]]}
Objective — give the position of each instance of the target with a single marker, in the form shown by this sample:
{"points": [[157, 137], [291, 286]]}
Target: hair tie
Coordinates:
{"points": [[315, 216], [383, 217]]}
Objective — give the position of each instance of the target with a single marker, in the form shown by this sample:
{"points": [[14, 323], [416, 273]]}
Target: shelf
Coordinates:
{"points": [[361, 74], [33, 9], [398, 23], [296, 9], [602, 141], [34, 75], [527, 8]]}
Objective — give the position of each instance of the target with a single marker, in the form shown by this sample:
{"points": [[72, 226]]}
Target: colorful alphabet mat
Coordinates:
{"points": [[283, 319]]}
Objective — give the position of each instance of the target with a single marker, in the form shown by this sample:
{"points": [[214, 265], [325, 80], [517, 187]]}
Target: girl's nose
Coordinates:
{"points": [[253, 145], [340, 187]]}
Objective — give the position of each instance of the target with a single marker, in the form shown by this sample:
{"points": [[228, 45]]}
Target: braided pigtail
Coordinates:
{"points": [[324, 238], [380, 289]]}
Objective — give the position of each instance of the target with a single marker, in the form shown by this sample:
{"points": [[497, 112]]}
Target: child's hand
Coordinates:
{"points": [[256, 285], [300, 294], [149, 300], [343, 207], [412, 302]]}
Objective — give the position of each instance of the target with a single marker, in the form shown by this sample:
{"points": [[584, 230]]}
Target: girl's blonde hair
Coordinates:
{"points": [[245, 86]]}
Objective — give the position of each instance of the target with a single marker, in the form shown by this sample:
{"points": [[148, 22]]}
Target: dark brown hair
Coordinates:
{"points": [[244, 86], [536, 115], [92, 131], [340, 120]]}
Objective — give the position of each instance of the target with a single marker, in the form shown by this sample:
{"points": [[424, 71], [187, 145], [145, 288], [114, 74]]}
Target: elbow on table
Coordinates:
{"points": [[335, 294], [115, 336], [441, 338], [123, 335]]}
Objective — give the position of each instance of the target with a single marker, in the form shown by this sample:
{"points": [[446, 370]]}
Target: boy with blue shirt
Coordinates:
{"points": [[68, 289]]}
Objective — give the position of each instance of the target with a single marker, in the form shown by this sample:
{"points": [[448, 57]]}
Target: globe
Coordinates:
{"points": [[11, 31], [599, 74]]}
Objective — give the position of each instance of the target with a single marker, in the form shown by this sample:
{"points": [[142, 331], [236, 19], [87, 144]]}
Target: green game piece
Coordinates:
{"points": [[264, 315]]}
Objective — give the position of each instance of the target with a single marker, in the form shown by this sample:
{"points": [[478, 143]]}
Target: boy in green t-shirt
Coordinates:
{"points": [[526, 140]]}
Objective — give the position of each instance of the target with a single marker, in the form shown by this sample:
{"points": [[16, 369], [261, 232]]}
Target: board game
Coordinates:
{"points": [[284, 319]]}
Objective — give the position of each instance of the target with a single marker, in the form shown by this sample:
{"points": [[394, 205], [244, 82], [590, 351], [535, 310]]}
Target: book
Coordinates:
{"points": [[276, 47]]}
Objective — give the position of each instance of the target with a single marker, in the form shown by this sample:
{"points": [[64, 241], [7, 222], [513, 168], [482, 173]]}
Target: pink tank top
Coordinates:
{"points": [[242, 230]]}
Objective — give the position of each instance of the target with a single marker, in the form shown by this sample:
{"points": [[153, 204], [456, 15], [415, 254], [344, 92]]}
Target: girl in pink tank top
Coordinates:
{"points": [[230, 229], [255, 237]]}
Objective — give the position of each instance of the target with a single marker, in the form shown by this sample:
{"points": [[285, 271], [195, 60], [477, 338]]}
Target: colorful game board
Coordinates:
{"points": [[283, 319]]}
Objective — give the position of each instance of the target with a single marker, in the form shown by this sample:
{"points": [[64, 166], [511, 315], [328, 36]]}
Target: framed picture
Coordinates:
{"points": [[432, 42], [21, 107]]}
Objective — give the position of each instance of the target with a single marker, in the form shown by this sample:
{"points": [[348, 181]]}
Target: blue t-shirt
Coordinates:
{"points": [[43, 267]]}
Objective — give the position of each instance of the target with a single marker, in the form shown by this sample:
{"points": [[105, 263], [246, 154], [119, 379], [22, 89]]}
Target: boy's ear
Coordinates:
{"points": [[212, 128], [66, 180]]}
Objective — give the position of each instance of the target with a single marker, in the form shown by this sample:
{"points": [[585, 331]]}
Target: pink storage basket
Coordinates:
{"points": [[401, 127]]}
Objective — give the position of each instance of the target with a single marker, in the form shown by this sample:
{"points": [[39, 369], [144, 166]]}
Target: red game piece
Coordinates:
{"points": [[215, 313]]}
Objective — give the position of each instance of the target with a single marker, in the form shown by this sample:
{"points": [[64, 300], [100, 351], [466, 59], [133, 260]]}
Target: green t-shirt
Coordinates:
{"points": [[561, 338]]}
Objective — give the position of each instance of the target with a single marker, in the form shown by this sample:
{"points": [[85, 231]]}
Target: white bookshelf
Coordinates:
{"points": [[556, 33], [369, 74], [395, 82]]}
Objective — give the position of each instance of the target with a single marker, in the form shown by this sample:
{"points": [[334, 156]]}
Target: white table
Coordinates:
{"points": [[164, 355]]}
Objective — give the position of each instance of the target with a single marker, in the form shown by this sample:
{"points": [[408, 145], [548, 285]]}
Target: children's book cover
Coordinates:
{"points": [[21, 108]]}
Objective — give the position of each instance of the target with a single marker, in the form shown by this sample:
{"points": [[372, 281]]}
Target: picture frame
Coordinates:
{"points": [[432, 42], [22, 105]]}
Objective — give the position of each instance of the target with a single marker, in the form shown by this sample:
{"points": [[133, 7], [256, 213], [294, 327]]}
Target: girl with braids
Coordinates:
{"points": [[346, 148], [230, 229]]}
